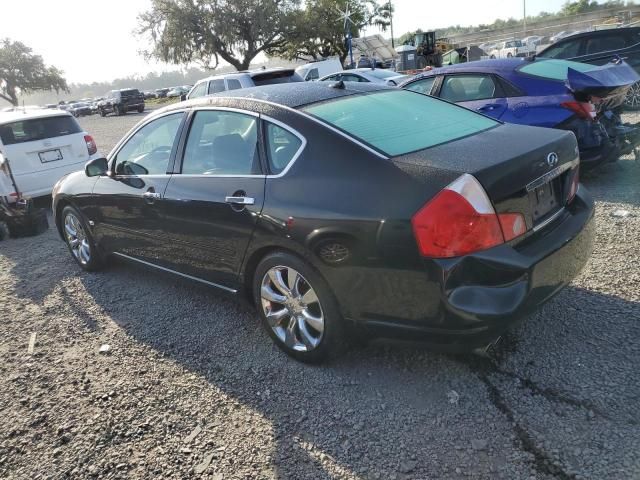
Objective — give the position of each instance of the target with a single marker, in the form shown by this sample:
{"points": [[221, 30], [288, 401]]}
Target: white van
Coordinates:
{"points": [[321, 68], [42, 146]]}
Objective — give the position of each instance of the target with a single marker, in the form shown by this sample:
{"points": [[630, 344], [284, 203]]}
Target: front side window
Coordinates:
{"points": [[222, 143], [564, 50], [282, 146], [216, 86], [422, 86], [199, 91], [604, 43], [148, 151], [233, 84], [347, 77], [467, 88], [398, 122]]}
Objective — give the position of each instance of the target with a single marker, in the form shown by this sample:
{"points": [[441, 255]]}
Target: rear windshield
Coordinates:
{"points": [[285, 76], [38, 129], [398, 122], [554, 69], [130, 92]]}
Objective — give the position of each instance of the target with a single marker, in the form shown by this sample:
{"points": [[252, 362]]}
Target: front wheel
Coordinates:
{"points": [[102, 113], [79, 240], [116, 110], [632, 100], [141, 109], [298, 309], [509, 55]]}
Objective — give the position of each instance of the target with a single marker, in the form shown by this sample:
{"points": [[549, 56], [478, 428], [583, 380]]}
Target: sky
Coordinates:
{"points": [[93, 40]]}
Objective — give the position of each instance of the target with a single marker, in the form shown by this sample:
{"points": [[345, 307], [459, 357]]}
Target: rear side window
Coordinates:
{"points": [[399, 122], [604, 43], [554, 69], [467, 88], [38, 129], [233, 84], [216, 86], [282, 146]]}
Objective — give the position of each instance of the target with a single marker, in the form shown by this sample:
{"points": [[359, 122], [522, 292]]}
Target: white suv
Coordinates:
{"points": [[42, 146], [236, 80]]}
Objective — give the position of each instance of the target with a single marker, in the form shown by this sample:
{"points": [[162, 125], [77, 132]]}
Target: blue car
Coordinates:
{"points": [[585, 99]]}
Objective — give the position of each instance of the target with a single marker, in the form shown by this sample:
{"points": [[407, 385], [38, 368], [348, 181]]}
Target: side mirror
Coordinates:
{"points": [[183, 97], [97, 167]]}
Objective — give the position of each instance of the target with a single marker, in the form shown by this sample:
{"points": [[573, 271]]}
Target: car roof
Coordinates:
{"points": [[16, 116], [597, 33], [492, 65], [292, 95]]}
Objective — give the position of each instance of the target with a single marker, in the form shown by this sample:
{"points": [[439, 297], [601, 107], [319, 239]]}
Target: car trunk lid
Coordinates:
{"points": [[524, 170]]}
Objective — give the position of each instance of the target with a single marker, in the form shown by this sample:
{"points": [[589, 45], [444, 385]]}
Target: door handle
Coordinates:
{"points": [[240, 200], [152, 195]]}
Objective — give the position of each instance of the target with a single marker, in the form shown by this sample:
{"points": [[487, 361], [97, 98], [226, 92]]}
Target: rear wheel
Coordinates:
{"points": [[509, 55], [492, 57], [141, 109], [632, 101], [297, 308], [102, 113], [79, 240]]}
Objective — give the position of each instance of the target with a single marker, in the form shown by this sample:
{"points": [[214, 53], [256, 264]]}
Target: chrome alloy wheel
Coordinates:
{"points": [[292, 308], [77, 239], [633, 96]]}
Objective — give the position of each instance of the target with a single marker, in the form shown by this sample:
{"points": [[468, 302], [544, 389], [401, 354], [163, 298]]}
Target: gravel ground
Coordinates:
{"points": [[193, 388]]}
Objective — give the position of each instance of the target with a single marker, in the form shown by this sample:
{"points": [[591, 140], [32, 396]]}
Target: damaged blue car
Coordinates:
{"points": [[585, 99]]}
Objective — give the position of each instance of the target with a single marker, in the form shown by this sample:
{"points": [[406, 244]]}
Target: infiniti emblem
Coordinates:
{"points": [[552, 159]]}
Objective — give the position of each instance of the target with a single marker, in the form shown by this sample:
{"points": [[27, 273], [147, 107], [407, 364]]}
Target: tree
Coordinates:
{"points": [[205, 31], [23, 72], [318, 31]]}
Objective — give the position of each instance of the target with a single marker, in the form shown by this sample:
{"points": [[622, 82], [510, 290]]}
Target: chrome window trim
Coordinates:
{"points": [[190, 277], [291, 130], [316, 120]]}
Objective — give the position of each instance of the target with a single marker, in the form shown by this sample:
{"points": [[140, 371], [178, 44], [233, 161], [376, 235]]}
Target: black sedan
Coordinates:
{"points": [[341, 208]]}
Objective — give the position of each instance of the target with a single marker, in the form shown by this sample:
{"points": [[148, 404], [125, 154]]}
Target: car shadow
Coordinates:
{"points": [[615, 182], [341, 417]]}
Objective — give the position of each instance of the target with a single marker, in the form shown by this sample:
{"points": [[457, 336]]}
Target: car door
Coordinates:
{"points": [[475, 91], [127, 216], [212, 202]]}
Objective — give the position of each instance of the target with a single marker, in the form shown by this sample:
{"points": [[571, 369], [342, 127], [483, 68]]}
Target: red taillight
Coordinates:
{"points": [[575, 181], [584, 110], [91, 144], [461, 220]]}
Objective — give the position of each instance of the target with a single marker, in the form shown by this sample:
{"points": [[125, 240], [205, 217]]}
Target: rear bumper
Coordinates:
{"points": [[484, 294]]}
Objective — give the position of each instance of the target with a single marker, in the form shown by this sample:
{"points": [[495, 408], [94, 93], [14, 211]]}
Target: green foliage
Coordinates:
{"points": [[205, 31], [318, 29], [23, 72]]}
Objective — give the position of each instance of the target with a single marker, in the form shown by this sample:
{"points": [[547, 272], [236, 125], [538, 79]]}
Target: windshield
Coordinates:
{"points": [[378, 73], [398, 122], [554, 69]]}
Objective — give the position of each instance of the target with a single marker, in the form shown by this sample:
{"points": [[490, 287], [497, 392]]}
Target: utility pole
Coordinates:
{"points": [[524, 16], [393, 45]]}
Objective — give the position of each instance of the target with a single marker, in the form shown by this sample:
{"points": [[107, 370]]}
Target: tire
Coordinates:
{"points": [[103, 113], [116, 110], [141, 109], [283, 310], [509, 55], [79, 241], [492, 57], [632, 100]]}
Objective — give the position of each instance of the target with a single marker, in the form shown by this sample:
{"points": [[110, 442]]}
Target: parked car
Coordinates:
{"points": [[318, 69], [582, 98], [508, 49], [148, 94], [79, 109], [177, 92], [531, 42], [119, 102], [42, 146], [284, 194], [162, 92], [237, 80], [598, 48], [368, 75]]}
